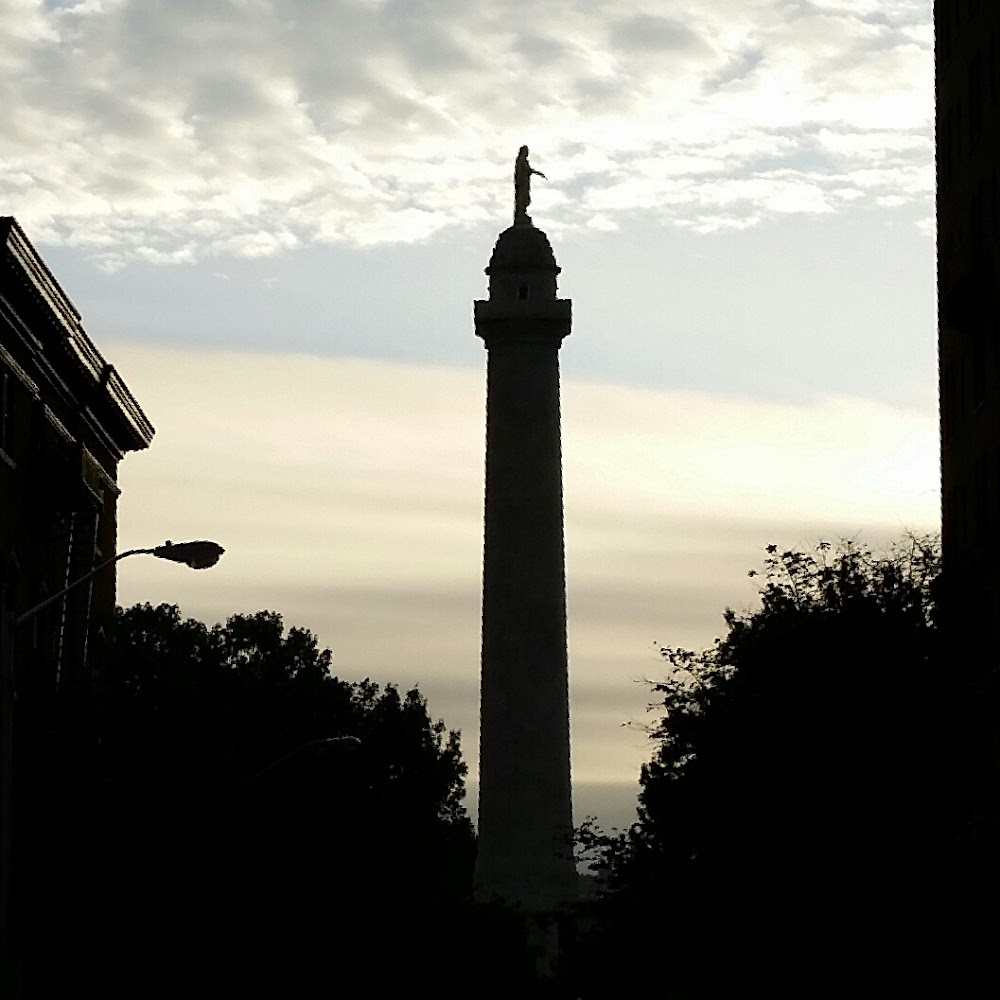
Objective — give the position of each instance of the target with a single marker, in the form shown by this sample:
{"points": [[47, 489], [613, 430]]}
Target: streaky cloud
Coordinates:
{"points": [[348, 495]]}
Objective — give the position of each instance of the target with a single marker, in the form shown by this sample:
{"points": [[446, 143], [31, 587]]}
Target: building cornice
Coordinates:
{"points": [[74, 358]]}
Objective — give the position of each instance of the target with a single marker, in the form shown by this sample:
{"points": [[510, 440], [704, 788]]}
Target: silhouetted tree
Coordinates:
{"points": [[226, 816], [803, 825]]}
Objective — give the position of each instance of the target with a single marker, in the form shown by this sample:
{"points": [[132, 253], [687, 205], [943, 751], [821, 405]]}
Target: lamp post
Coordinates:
{"points": [[309, 745], [197, 555]]}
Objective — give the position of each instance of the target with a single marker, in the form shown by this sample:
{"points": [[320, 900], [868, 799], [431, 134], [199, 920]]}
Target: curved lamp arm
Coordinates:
{"points": [[304, 746], [197, 555]]}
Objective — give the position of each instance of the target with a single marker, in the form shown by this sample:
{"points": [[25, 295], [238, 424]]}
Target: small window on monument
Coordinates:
{"points": [[522, 292]]}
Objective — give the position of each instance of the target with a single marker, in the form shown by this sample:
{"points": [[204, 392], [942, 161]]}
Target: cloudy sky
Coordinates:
{"points": [[274, 215]]}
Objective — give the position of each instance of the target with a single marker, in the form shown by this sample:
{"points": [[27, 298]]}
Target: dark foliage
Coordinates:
{"points": [[223, 816], [808, 822]]}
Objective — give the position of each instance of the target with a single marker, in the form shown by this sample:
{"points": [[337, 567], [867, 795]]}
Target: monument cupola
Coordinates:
{"points": [[523, 267]]}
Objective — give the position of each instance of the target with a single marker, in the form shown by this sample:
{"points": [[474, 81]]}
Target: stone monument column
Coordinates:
{"points": [[525, 805]]}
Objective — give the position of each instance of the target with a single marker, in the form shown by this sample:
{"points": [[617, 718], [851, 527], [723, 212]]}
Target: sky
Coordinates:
{"points": [[274, 216]]}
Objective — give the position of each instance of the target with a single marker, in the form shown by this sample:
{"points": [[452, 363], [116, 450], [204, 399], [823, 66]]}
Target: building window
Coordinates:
{"points": [[977, 222], [975, 99], [981, 499], [6, 412], [963, 517], [978, 374], [522, 292], [992, 66], [996, 475], [994, 208]]}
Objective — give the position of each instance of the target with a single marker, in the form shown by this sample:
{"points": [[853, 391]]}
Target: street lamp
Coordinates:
{"points": [[310, 744], [197, 555]]}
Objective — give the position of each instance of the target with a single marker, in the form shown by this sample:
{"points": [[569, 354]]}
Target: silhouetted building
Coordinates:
{"points": [[967, 69], [66, 421], [525, 807]]}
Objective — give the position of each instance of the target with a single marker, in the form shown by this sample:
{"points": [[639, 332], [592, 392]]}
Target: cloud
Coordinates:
{"points": [[736, 69], [348, 495], [649, 33], [250, 126]]}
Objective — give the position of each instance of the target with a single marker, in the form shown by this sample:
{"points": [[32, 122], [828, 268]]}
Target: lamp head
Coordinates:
{"points": [[197, 555]]}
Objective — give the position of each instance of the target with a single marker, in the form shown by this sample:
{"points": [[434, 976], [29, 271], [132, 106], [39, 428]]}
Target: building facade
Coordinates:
{"points": [[967, 77], [525, 804], [66, 421]]}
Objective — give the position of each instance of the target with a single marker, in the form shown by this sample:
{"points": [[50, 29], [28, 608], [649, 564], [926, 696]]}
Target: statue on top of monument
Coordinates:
{"points": [[522, 187]]}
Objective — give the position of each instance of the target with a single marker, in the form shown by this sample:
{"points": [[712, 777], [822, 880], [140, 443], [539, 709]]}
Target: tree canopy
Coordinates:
{"points": [[805, 816], [223, 807]]}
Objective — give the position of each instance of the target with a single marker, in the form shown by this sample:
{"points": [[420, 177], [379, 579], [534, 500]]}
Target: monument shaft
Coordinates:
{"points": [[525, 807]]}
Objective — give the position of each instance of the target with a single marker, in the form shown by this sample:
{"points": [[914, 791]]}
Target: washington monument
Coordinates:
{"points": [[525, 806]]}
